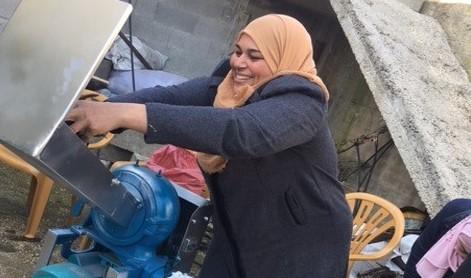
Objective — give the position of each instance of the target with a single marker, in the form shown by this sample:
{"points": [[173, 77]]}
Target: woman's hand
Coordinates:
{"points": [[97, 118]]}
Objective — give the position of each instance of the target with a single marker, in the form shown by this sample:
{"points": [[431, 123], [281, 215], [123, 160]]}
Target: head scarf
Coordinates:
{"points": [[286, 47]]}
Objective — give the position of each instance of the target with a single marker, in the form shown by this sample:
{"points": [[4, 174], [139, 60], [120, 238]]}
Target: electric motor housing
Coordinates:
{"points": [[157, 214]]}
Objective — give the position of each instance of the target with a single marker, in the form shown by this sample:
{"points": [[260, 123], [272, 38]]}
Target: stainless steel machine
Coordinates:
{"points": [[140, 224]]}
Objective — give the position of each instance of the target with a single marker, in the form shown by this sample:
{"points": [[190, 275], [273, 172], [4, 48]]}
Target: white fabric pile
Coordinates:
{"points": [[121, 81], [120, 55], [402, 250], [178, 274]]}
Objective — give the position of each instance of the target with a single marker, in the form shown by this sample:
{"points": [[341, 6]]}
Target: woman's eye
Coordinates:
{"points": [[236, 52], [256, 58]]}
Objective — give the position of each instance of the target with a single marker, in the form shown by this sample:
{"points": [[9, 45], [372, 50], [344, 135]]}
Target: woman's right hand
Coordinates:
{"points": [[97, 118]]}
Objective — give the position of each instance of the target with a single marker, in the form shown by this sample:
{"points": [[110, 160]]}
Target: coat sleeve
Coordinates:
{"points": [[195, 92], [258, 129]]}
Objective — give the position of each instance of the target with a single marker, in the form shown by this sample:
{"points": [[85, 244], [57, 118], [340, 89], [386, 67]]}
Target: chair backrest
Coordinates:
{"points": [[11, 159], [105, 139], [372, 217]]}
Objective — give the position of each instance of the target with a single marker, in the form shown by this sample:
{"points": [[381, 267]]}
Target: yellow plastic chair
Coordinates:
{"points": [[41, 185], [373, 216], [39, 191]]}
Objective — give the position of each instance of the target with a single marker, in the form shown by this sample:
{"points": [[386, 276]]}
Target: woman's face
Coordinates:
{"points": [[247, 63]]}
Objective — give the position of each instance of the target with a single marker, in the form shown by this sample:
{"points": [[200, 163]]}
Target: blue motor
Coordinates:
{"points": [[118, 251]]}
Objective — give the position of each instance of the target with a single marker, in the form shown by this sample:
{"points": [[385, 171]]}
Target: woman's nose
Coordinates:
{"points": [[240, 61]]}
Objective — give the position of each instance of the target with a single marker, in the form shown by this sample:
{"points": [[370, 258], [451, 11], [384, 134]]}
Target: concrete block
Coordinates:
{"points": [[421, 90], [8, 7], [144, 11], [3, 23], [186, 51], [413, 4], [154, 34], [455, 19], [190, 61], [183, 40], [191, 64], [211, 9], [213, 28], [178, 18], [218, 51]]}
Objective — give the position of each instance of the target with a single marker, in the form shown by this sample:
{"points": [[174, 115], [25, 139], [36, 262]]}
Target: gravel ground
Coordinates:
{"points": [[18, 257]]}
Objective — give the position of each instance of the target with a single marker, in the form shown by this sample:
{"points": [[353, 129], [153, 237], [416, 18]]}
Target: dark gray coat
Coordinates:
{"points": [[279, 209]]}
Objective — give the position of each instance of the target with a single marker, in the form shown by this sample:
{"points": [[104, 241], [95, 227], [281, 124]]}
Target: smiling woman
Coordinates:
{"points": [[249, 66], [262, 140]]}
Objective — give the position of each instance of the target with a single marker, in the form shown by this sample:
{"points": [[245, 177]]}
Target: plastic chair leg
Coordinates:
{"points": [[72, 216], [41, 195], [32, 190]]}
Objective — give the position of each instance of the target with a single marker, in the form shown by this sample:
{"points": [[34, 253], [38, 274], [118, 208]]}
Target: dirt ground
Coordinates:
{"points": [[18, 257]]}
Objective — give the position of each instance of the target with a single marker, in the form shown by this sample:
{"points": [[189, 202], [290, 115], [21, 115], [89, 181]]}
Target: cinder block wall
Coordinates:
{"points": [[194, 34]]}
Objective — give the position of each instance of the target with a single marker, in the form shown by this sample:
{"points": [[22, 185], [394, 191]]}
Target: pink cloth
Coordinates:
{"points": [[449, 252], [179, 166]]}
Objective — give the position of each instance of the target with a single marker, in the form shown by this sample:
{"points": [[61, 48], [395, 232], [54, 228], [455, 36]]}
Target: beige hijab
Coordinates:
{"points": [[287, 49]]}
